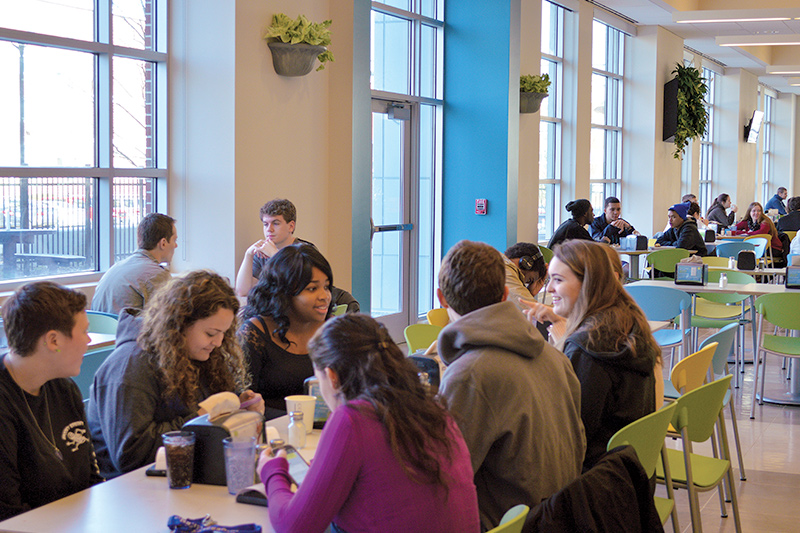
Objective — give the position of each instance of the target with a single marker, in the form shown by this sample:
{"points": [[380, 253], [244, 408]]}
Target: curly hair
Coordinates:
{"points": [[285, 276], [372, 368], [174, 308], [604, 310]]}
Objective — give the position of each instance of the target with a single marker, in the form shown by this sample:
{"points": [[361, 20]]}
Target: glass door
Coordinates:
{"points": [[392, 225]]}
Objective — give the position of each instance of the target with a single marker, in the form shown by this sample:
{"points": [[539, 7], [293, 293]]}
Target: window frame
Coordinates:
{"points": [[707, 168], [767, 155], [104, 170]]}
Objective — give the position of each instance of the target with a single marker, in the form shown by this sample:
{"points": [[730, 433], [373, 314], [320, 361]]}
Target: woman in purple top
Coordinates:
{"points": [[390, 457]]}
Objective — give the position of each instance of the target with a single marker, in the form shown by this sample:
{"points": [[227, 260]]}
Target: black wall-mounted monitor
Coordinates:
{"points": [[753, 127]]}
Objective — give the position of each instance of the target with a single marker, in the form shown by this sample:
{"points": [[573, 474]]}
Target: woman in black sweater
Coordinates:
{"points": [[582, 214]]}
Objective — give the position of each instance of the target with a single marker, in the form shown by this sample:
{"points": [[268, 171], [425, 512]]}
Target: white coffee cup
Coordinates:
{"points": [[305, 404]]}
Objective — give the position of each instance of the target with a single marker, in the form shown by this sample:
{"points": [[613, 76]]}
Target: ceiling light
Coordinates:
{"points": [[759, 40], [783, 69], [734, 15], [794, 82]]}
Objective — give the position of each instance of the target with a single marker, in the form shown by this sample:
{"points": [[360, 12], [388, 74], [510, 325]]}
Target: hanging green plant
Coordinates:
{"points": [[692, 111]]}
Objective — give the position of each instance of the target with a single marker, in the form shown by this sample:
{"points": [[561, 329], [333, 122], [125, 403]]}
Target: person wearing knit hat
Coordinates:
{"points": [[682, 232]]}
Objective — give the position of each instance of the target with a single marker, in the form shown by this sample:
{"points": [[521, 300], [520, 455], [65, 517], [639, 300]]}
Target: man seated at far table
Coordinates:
{"points": [[790, 221], [776, 202], [515, 397], [683, 232], [132, 281], [609, 227]]}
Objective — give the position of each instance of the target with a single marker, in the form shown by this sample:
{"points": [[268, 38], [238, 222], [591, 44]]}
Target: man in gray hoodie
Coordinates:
{"points": [[515, 398]]}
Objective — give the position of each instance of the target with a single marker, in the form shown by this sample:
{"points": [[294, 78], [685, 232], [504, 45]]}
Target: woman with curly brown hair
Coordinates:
{"points": [[179, 351], [390, 458], [291, 300]]}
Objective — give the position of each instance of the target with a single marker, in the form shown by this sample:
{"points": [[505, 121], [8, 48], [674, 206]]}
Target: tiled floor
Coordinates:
{"points": [[770, 498]]}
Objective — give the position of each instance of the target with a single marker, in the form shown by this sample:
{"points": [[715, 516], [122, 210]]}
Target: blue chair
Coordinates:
{"points": [[732, 248], [91, 362], [100, 322], [666, 303]]}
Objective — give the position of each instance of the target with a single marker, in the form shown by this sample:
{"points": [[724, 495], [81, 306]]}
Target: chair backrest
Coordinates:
{"points": [[732, 248], [781, 309], [91, 362], [438, 317], [660, 303], [513, 520], [734, 276], [791, 234], [100, 322], [547, 253], [712, 260], [724, 338], [339, 310], [690, 372], [420, 336], [665, 260], [698, 410], [646, 435], [760, 242]]}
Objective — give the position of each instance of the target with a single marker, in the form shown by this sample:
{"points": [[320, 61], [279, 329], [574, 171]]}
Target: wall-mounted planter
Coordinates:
{"points": [[530, 102], [294, 59]]}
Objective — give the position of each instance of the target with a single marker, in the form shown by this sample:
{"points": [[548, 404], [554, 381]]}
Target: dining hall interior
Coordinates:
{"points": [[412, 140]]}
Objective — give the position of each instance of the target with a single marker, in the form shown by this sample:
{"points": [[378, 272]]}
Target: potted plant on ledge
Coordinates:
{"points": [[295, 44], [532, 90]]}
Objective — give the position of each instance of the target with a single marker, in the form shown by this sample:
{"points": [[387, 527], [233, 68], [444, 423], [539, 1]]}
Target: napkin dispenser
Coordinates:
{"points": [[209, 456], [634, 242]]}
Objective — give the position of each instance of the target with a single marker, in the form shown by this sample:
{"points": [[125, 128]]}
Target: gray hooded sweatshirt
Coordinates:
{"points": [[517, 402]]}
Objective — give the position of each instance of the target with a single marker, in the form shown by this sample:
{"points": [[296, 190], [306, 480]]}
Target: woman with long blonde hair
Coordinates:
{"points": [[178, 352], [608, 340]]}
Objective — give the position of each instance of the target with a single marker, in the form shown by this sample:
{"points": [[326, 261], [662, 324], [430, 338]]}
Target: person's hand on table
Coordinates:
{"points": [[544, 313]]}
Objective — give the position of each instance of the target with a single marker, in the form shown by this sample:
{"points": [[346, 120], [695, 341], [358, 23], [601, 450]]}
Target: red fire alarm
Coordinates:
{"points": [[481, 205]]}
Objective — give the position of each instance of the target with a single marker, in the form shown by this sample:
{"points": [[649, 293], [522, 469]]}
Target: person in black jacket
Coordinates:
{"points": [[790, 221], [582, 214], [683, 232], [45, 450], [609, 227]]}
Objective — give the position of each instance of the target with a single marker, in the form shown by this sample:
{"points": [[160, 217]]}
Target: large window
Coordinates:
{"points": [[550, 123], [766, 149], [707, 144], [605, 150], [406, 82], [82, 131]]}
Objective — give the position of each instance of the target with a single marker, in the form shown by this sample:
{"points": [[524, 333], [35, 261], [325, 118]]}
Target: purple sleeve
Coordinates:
{"points": [[326, 486]]}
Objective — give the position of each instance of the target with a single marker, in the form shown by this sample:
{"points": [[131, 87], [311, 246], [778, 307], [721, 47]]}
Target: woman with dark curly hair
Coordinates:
{"points": [[390, 458], [284, 309], [179, 352]]}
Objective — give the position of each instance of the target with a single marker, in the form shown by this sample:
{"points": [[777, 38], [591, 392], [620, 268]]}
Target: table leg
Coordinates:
{"points": [[634, 270]]}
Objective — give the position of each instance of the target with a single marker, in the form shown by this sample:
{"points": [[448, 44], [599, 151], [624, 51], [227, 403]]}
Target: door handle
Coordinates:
{"points": [[373, 229]]}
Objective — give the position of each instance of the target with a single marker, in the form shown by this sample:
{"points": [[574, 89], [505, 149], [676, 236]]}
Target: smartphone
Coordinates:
{"points": [[298, 467]]}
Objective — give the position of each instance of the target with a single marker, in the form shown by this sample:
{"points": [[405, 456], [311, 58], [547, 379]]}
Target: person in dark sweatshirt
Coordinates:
{"points": [[179, 352], [607, 339], [515, 398], [683, 232]]}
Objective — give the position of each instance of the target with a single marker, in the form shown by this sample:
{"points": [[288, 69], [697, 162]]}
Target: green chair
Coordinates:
{"points": [[512, 520], [646, 435], [420, 336], [783, 311], [100, 322], [724, 340], [696, 417], [339, 310], [665, 260], [547, 253]]}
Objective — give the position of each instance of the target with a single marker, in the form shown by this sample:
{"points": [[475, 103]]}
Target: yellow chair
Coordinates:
{"points": [[420, 336], [690, 372], [712, 260], [438, 317], [791, 234], [512, 520]]}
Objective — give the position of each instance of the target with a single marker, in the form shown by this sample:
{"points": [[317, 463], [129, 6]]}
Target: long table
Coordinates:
{"points": [[136, 502], [792, 397]]}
